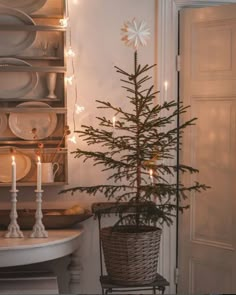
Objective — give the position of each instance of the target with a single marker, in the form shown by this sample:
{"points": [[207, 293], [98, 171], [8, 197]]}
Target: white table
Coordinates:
{"points": [[60, 243]]}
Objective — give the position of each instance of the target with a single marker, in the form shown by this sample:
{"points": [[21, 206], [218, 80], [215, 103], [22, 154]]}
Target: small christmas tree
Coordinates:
{"points": [[137, 145]]}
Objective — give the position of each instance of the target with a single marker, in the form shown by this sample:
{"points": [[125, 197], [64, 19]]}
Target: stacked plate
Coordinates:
{"points": [[15, 41], [23, 164], [14, 85], [22, 123], [27, 6]]}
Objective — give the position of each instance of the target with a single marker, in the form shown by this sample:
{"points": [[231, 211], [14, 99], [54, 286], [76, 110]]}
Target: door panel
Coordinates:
{"points": [[207, 241]]}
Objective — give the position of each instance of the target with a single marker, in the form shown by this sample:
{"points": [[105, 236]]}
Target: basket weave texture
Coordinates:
{"points": [[131, 258]]}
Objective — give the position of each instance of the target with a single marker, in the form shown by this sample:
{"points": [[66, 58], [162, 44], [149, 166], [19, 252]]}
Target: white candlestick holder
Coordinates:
{"points": [[13, 228], [38, 228]]}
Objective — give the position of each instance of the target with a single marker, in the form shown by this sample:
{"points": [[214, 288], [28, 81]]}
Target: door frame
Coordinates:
{"points": [[167, 52]]}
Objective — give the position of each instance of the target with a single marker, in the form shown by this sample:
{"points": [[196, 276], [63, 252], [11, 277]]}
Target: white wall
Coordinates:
{"points": [[95, 28]]}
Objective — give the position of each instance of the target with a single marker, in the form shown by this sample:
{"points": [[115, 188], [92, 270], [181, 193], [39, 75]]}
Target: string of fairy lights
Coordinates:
{"points": [[70, 78]]}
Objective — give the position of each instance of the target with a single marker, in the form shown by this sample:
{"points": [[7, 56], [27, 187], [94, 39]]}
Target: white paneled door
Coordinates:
{"points": [[207, 232]]}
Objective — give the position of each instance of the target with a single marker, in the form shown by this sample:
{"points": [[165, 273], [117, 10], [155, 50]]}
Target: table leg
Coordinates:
{"points": [[74, 269]]}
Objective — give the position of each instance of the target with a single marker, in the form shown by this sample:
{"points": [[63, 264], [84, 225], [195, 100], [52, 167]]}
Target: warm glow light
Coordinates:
{"points": [[72, 139], [13, 165], [70, 52], [114, 121], [79, 109], [166, 85], [151, 175], [69, 80], [64, 22], [39, 175]]}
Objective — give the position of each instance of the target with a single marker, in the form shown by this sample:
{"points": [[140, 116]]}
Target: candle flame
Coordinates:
{"points": [[151, 172], [13, 158], [38, 158]]}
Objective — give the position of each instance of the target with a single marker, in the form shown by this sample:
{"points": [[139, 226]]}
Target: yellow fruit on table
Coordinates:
{"points": [[76, 209]]}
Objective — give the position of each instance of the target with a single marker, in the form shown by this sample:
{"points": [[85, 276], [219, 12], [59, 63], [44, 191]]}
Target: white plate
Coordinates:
{"points": [[23, 165], [3, 123], [21, 124], [27, 6], [14, 85], [14, 42]]}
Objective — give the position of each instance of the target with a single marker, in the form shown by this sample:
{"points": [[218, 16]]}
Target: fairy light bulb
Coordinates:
{"points": [[64, 22], [79, 109], [70, 52], [69, 80], [72, 139]]}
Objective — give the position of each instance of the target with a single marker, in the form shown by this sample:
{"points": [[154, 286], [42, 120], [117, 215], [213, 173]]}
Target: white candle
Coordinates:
{"points": [[114, 122], [13, 166], [114, 125], [39, 175], [166, 84], [151, 175]]}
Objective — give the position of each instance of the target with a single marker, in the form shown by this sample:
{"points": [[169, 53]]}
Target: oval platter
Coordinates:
{"points": [[28, 6], [15, 41], [14, 85]]}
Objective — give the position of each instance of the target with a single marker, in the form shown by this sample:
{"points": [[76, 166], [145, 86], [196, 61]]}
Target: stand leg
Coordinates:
{"points": [[162, 290], [39, 229], [75, 270], [13, 228]]}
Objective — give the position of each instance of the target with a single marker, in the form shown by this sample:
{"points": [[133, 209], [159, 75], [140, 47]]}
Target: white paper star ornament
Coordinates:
{"points": [[135, 34]]}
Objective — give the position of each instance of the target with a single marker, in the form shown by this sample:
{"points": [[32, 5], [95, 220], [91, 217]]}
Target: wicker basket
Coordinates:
{"points": [[131, 258]]}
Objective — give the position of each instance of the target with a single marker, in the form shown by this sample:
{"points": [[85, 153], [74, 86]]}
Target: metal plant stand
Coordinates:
{"points": [[108, 287]]}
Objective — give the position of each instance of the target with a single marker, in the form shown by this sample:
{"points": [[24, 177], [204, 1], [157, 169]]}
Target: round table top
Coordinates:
{"points": [[22, 251]]}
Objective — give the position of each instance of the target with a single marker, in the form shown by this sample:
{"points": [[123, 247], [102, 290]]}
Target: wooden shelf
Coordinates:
{"points": [[21, 142], [32, 28], [33, 110], [47, 16], [53, 36], [7, 68], [55, 183], [29, 99], [46, 150], [29, 57]]}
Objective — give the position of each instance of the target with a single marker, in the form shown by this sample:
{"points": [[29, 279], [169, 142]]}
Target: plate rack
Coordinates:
{"points": [[45, 55]]}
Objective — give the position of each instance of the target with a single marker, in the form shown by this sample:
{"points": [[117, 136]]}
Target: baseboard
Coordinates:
{"points": [[28, 282]]}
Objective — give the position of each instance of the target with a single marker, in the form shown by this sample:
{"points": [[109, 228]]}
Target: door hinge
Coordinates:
{"points": [[176, 276], [178, 63]]}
